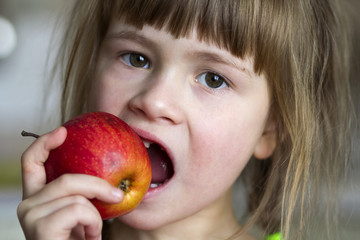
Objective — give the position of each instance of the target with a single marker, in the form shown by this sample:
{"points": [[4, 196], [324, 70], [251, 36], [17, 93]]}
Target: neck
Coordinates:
{"points": [[217, 221]]}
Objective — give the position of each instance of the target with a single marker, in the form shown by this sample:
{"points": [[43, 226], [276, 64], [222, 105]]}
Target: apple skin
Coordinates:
{"points": [[101, 144]]}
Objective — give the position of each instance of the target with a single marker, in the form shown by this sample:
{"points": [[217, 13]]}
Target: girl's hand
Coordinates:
{"points": [[61, 209]]}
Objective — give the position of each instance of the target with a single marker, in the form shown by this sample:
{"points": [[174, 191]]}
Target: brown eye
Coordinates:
{"points": [[136, 60], [211, 80]]}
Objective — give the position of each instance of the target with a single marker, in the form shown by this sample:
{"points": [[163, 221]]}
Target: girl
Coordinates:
{"points": [[219, 85]]}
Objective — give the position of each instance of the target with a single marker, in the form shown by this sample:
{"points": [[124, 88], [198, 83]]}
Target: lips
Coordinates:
{"points": [[161, 164]]}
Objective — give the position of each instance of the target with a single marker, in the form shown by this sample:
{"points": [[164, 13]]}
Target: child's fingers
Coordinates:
{"points": [[63, 221], [29, 214], [78, 184], [58, 219], [53, 201], [32, 160]]}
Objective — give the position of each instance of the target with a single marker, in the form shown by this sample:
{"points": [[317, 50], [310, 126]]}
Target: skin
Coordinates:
{"points": [[205, 129], [210, 134]]}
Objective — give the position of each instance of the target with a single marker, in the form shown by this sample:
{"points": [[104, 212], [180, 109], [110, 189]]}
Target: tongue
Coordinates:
{"points": [[160, 164]]}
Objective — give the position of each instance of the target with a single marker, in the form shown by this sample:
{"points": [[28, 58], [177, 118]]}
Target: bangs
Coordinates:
{"points": [[242, 27], [209, 18], [230, 25]]}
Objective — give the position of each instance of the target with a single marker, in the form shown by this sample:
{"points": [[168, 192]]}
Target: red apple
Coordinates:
{"points": [[102, 145]]}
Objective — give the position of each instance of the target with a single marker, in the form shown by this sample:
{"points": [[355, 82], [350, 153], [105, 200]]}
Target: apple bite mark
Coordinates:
{"points": [[161, 164]]}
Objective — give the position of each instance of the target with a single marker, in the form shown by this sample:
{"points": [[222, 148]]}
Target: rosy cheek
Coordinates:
{"points": [[105, 96], [210, 145], [224, 144], [214, 158]]}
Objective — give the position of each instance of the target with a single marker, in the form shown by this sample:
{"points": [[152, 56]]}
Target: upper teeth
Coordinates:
{"points": [[146, 143]]}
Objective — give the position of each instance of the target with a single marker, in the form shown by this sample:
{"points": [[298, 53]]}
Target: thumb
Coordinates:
{"points": [[33, 159]]}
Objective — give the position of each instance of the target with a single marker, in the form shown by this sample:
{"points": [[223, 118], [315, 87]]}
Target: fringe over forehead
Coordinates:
{"points": [[242, 27]]}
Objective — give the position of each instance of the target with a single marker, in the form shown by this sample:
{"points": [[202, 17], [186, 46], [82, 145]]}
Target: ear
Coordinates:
{"points": [[267, 142]]}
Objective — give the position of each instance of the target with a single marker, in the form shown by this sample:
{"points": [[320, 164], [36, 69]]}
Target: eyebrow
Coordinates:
{"points": [[216, 58], [130, 35]]}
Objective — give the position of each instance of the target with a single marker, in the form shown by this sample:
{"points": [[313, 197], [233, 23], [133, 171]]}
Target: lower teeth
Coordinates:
{"points": [[154, 185]]}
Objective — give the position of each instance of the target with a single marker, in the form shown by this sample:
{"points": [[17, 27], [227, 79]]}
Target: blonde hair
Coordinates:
{"points": [[300, 46]]}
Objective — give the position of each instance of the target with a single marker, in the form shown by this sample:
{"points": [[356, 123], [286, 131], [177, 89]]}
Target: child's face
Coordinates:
{"points": [[205, 107]]}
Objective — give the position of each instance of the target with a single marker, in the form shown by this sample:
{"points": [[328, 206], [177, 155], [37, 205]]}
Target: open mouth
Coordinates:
{"points": [[162, 167]]}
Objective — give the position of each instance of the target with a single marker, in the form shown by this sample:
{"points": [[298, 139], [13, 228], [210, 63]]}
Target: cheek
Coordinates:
{"points": [[217, 161], [222, 146], [107, 94], [221, 149]]}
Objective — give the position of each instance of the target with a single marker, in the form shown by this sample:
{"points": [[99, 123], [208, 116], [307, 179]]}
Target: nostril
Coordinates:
{"points": [[137, 107], [154, 110], [167, 120]]}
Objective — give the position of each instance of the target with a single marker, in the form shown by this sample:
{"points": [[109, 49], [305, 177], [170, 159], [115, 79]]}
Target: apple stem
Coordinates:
{"points": [[29, 134]]}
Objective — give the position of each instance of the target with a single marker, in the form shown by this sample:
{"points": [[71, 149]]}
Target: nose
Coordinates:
{"points": [[159, 99]]}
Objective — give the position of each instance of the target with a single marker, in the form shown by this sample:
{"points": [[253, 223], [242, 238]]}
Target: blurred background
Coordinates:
{"points": [[26, 29]]}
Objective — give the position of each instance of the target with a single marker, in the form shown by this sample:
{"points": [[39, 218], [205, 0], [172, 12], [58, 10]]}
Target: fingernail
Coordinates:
{"points": [[117, 193]]}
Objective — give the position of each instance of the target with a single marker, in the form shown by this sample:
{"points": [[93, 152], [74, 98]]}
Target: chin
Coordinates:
{"points": [[144, 221]]}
